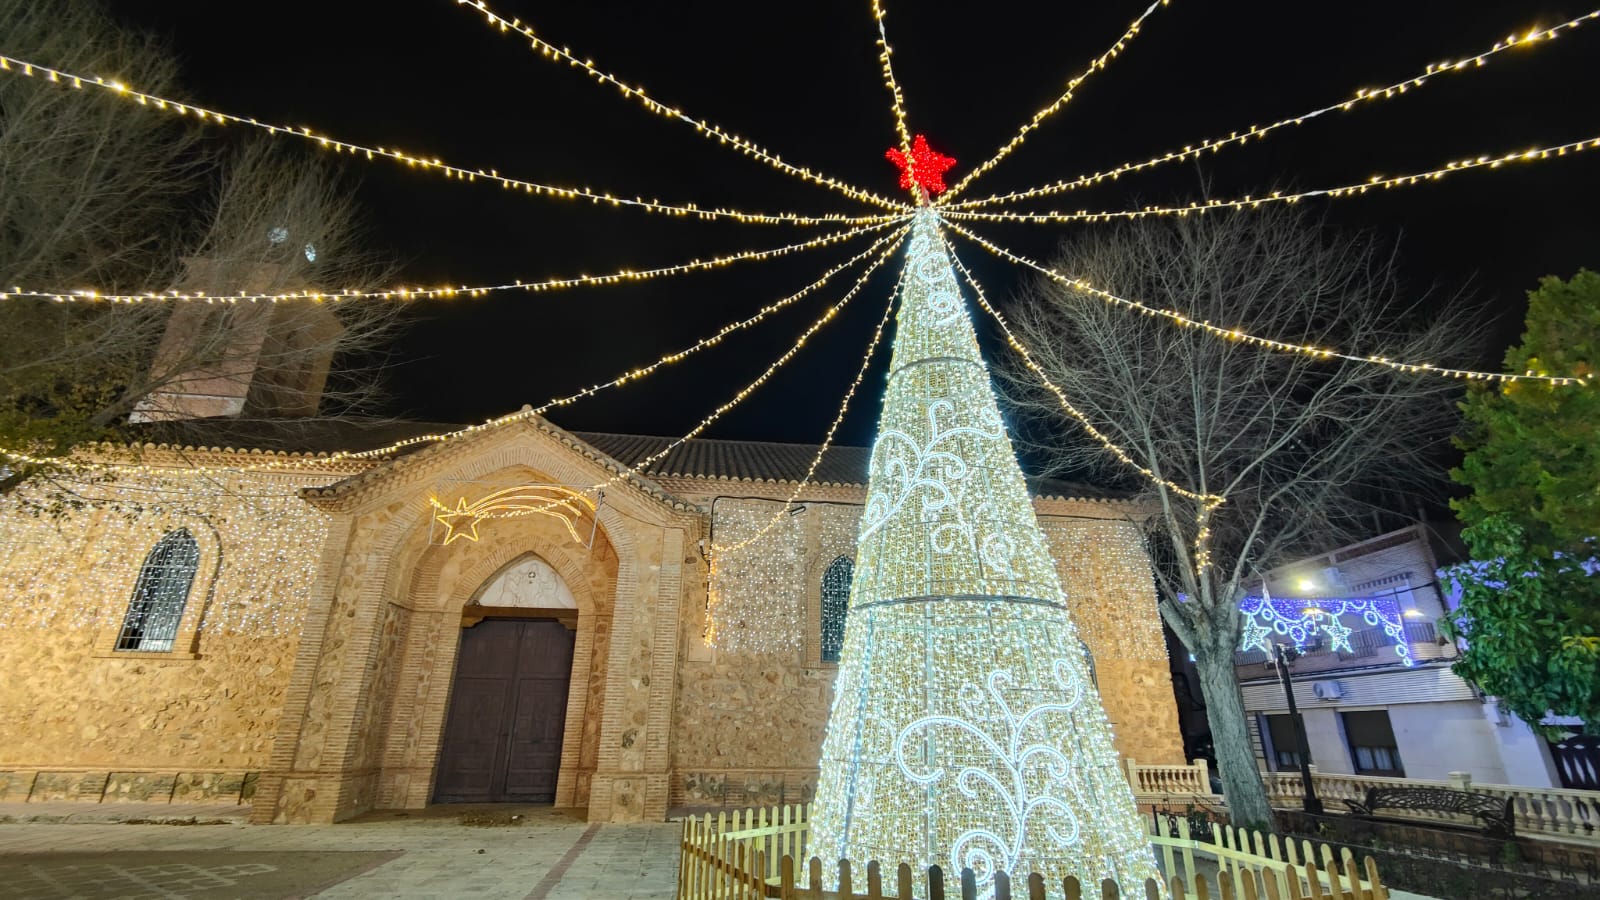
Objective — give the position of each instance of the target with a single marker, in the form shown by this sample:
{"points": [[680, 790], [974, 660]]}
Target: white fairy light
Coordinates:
{"points": [[259, 540], [965, 730]]}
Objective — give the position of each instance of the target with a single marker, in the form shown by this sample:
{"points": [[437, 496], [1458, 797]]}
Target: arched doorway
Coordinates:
{"points": [[507, 712]]}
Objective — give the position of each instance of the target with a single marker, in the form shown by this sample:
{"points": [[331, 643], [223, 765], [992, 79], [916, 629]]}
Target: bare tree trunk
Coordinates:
{"points": [[1230, 737], [1299, 447]]}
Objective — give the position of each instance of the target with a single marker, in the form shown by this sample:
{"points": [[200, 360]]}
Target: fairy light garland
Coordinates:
{"points": [[435, 165], [1099, 63], [711, 131], [1234, 334], [965, 731], [1021, 350], [1206, 502], [260, 547], [419, 293], [524, 414], [1248, 202], [833, 429], [897, 98], [1299, 619], [754, 605], [639, 468], [1259, 132]]}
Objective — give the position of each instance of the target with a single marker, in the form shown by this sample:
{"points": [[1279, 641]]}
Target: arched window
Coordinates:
{"points": [[160, 594], [835, 606]]}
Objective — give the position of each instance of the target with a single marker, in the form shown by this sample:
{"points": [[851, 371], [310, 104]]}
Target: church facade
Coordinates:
{"points": [[475, 621]]}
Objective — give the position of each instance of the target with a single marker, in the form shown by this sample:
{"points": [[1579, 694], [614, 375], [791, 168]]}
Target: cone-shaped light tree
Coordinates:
{"points": [[966, 730]]}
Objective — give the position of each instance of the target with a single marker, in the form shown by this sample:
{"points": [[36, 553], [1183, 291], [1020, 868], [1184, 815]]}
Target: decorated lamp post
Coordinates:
{"points": [[965, 730]]}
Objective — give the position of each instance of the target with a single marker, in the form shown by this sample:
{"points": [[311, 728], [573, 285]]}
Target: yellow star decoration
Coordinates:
{"points": [[453, 529], [558, 501]]}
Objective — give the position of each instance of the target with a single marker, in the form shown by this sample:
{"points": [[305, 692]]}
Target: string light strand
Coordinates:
{"points": [[711, 131], [1234, 334], [637, 469], [898, 99], [1099, 63], [833, 429], [435, 165], [1206, 504], [1255, 132], [420, 293], [524, 414], [1105, 441], [1376, 182]]}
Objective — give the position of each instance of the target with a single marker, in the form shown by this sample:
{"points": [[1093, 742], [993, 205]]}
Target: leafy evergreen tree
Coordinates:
{"points": [[1530, 604]]}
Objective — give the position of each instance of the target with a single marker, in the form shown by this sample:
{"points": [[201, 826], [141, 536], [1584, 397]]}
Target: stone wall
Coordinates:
{"points": [[753, 703], [1106, 576], [87, 721]]}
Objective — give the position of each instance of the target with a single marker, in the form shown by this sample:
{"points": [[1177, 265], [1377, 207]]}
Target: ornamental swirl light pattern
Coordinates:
{"points": [[1259, 132], [1300, 619], [118, 89], [965, 730]]}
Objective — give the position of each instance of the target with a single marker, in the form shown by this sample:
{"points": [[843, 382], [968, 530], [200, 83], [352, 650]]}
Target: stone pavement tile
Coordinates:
{"points": [[440, 857]]}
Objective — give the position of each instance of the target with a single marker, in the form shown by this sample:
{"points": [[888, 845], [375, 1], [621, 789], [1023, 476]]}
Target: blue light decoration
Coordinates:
{"points": [[1299, 619]]}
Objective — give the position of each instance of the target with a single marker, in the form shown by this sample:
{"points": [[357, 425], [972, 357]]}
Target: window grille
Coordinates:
{"points": [[835, 606], [160, 594]]}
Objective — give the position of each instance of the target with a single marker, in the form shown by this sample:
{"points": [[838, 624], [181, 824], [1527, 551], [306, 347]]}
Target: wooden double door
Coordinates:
{"points": [[502, 739]]}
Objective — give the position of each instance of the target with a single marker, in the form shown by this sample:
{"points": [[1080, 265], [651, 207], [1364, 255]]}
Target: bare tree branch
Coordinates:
{"points": [[1303, 449], [95, 193]]}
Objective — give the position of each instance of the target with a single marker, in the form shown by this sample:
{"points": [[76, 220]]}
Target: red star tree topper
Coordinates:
{"points": [[925, 167]]}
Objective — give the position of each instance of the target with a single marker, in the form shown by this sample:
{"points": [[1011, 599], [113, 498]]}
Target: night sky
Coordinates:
{"points": [[802, 79]]}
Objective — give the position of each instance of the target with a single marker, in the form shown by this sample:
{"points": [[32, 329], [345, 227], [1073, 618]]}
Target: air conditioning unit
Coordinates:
{"points": [[1327, 690]]}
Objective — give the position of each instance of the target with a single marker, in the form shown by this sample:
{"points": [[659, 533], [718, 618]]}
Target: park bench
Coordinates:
{"points": [[1495, 813]]}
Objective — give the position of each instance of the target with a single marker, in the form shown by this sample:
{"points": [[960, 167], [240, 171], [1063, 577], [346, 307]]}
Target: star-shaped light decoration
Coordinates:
{"points": [[1256, 635], [1338, 635], [459, 523], [924, 168]]}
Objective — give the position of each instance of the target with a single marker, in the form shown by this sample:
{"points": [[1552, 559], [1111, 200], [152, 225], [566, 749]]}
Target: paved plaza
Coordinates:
{"points": [[480, 852]]}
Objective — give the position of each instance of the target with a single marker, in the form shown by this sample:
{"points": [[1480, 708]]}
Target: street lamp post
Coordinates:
{"points": [[1283, 654]]}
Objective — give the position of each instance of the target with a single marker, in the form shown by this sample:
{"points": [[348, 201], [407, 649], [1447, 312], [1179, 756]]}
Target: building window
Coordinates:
{"points": [[835, 606], [1372, 745], [160, 594], [1286, 749]]}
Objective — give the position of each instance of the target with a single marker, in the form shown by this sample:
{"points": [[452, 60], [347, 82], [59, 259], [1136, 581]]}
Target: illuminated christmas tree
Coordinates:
{"points": [[966, 730]]}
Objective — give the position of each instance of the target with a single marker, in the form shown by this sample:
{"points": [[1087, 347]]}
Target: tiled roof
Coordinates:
{"points": [[768, 461]]}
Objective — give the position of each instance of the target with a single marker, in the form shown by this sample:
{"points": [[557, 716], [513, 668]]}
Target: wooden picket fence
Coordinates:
{"points": [[754, 854]]}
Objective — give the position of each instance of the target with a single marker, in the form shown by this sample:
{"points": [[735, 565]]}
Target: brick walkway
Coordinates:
{"points": [[546, 855]]}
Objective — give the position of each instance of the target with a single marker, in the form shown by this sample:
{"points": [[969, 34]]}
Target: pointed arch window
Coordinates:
{"points": [[835, 606], [160, 594]]}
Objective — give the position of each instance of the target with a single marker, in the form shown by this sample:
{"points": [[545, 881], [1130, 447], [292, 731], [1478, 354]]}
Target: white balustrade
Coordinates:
{"points": [[1558, 813]]}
